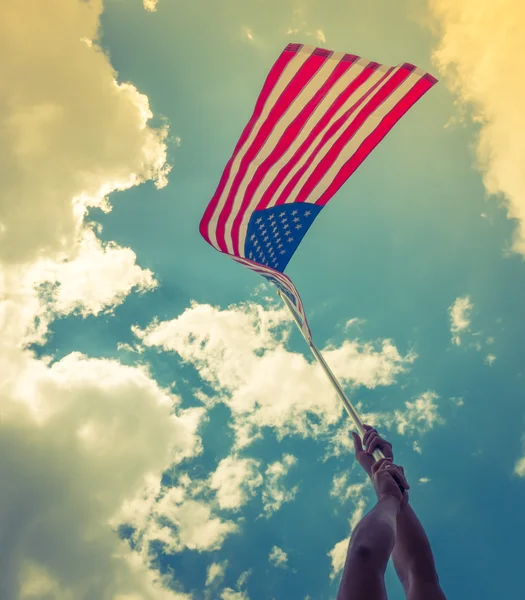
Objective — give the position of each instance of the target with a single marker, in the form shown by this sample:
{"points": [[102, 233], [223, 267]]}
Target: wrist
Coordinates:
{"points": [[390, 500]]}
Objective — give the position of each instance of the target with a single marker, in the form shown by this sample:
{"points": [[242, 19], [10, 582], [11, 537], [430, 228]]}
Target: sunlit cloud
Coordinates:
{"points": [[278, 557], [460, 317], [479, 52]]}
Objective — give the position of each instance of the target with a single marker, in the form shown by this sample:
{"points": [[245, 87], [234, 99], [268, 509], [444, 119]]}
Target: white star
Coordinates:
{"points": [[266, 238], [280, 246], [294, 212], [298, 226], [296, 220], [290, 239], [259, 220], [307, 213], [286, 226], [283, 214], [283, 251], [252, 237]]}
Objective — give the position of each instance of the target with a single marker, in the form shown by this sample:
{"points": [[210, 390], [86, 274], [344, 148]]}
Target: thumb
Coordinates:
{"points": [[358, 446]]}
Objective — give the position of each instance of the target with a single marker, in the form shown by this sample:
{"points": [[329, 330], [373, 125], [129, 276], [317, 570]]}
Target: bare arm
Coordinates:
{"points": [[412, 554], [372, 542]]}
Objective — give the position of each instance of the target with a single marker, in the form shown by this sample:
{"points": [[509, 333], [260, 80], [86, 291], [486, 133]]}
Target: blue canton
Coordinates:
{"points": [[274, 233]]}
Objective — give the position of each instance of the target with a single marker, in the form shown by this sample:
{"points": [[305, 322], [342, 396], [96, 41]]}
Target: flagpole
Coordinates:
{"points": [[333, 379]]}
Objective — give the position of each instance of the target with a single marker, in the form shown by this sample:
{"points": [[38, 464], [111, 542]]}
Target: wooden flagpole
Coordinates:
{"points": [[337, 386]]}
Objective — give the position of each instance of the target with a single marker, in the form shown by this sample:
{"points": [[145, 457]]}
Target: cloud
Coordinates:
{"points": [[215, 573], [241, 353], [278, 557], [150, 5], [276, 492], [229, 594], [71, 133], [338, 556], [424, 480], [460, 317], [419, 416], [519, 467], [480, 51], [343, 490], [99, 278], [80, 437], [490, 359], [235, 481]]}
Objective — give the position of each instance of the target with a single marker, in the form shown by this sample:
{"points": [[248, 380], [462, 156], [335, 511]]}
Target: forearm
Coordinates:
{"points": [[375, 535], [412, 551]]}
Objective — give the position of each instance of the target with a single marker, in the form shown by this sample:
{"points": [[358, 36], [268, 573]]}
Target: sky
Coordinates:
{"points": [[164, 432]]}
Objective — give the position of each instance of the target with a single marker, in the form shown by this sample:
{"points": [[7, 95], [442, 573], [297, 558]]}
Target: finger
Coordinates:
{"points": [[373, 443], [399, 476], [381, 463], [358, 446], [369, 433]]}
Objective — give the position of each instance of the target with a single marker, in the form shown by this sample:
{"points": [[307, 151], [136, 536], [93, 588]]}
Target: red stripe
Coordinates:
{"points": [[298, 82], [323, 121], [419, 89], [270, 83], [284, 143], [332, 131], [328, 160]]}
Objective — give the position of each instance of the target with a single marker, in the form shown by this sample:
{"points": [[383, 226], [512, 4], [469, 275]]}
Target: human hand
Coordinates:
{"points": [[372, 441], [386, 478]]}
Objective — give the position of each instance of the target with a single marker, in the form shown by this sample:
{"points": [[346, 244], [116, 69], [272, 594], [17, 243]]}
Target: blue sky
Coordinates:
{"points": [[166, 388]]}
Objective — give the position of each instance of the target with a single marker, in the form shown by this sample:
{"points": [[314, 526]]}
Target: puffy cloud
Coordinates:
{"points": [[479, 54], [99, 278], [150, 5], [240, 352], [343, 490], [79, 438], [71, 133], [235, 481], [216, 573], [490, 359], [338, 556], [419, 416], [229, 594], [276, 492], [278, 557], [424, 480], [519, 467], [460, 317]]}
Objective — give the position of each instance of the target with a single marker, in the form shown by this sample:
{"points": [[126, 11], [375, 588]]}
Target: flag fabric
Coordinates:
{"points": [[319, 115]]}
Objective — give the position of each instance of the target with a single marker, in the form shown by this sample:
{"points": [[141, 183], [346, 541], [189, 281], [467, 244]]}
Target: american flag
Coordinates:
{"points": [[318, 116]]}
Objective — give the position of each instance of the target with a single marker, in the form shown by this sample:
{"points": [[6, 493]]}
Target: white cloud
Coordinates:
{"points": [[81, 437], [278, 557], [417, 447], [235, 481], [424, 480], [240, 352], [100, 277], [338, 556], [248, 34], [490, 359], [460, 317], [480, 49], [229, 594], [215, 573], [343, 490], [276, 491], [419, 416], [519, 467], [71, 133], [150, 5]]}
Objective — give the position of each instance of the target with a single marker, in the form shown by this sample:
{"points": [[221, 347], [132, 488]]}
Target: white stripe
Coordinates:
{"points": [[368, 127], [286, 76], [329, 143], [324, 106], [306, 94]]}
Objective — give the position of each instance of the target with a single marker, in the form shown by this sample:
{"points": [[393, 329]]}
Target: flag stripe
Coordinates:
{"points": [[330, 108], [270, 89], [421, 87], [292, 127], [320, 162], [281, 105]]}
